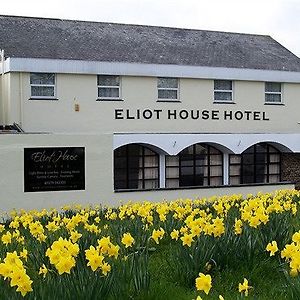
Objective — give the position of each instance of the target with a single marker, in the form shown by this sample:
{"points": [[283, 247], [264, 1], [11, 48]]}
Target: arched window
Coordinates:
{"points": [[258, 164], [135, 167], [197, 165]]}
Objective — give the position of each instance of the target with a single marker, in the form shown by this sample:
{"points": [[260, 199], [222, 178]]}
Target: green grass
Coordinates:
{"points": [[266, 277]]}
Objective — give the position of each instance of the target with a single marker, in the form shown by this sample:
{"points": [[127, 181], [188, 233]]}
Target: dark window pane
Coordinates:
{"points": [[223, 96], [134, 150], [259, 162], [133, 184], [133, 162], [248, 179], [42, 78], [202, 161], [201, 170], [120, 162], [248, 158], [120, 184], [133, 168], [186, 162], [199, 180], [40, 91], [108, 92], [186, 180], [200, 149], [120, 175], [223, 85], [108, 80], [120, 151], [273, 87], [261, 148], [194, 164], [167, 94], [273, 98], [187, 171], [135, 174], [167, 82]]}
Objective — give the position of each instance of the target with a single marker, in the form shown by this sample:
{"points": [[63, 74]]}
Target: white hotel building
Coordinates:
{"points": [[147, 113]]}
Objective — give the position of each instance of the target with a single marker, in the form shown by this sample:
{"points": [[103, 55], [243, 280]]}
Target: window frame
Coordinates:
{"points": [[127, 169], [54, 97], [231, 92], [119, 98], [208, 165], [274, 93], [168, 89], [269, 150]]}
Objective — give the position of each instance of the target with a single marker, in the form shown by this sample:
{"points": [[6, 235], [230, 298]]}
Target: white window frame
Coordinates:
{"points": [[274, 93], [43, 85], [109, 86], [168, 89], [224, 91]]}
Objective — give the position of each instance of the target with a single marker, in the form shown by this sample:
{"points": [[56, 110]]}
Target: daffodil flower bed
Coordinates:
{"points": [[210, 248]]}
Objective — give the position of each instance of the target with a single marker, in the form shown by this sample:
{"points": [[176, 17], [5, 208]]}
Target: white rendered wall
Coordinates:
{"points": [[141, 93], [98, 179]]}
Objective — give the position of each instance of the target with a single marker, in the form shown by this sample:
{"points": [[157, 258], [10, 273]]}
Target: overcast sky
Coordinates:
{"points": [[278, 18]]}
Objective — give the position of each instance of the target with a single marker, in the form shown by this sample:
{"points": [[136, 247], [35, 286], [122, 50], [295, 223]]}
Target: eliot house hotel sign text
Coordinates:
{"points": [[193, 114], [54, 169]]}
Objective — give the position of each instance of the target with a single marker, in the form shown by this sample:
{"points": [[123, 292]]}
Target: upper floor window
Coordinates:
{"points": [[167, 89], [42, 85], [223, 91], [108, 87], [273, 92]]}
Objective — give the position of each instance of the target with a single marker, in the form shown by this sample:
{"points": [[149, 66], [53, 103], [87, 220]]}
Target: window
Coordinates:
{"points": [[223, 91], [258, 164], [135, 167], [273, 92], [167, 89], [108, 87], [42, 85], [197, 165]]}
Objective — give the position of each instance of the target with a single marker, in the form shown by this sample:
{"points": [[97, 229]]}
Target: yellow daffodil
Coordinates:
{"points": [[174, 234], [244, 287], [127, 240], [203, 283], [187, 239], [24, 253], [43, 270], [272, 248]]}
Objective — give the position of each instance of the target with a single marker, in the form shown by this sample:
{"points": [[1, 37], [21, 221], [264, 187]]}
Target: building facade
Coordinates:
{"points": [[152, 112]]}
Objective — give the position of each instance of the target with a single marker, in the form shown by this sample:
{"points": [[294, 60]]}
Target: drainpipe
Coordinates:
{"points": [[21, 99], [2, 90]]}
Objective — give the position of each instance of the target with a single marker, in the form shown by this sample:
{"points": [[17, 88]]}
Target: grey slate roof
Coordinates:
{"points": [[66, 39]]}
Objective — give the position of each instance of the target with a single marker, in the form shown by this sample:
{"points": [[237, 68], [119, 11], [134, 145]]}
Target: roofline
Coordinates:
{"points": [[42, 65], [137, 25]]}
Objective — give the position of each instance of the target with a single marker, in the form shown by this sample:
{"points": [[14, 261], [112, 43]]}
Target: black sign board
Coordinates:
{"points": [[54, 169]]}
